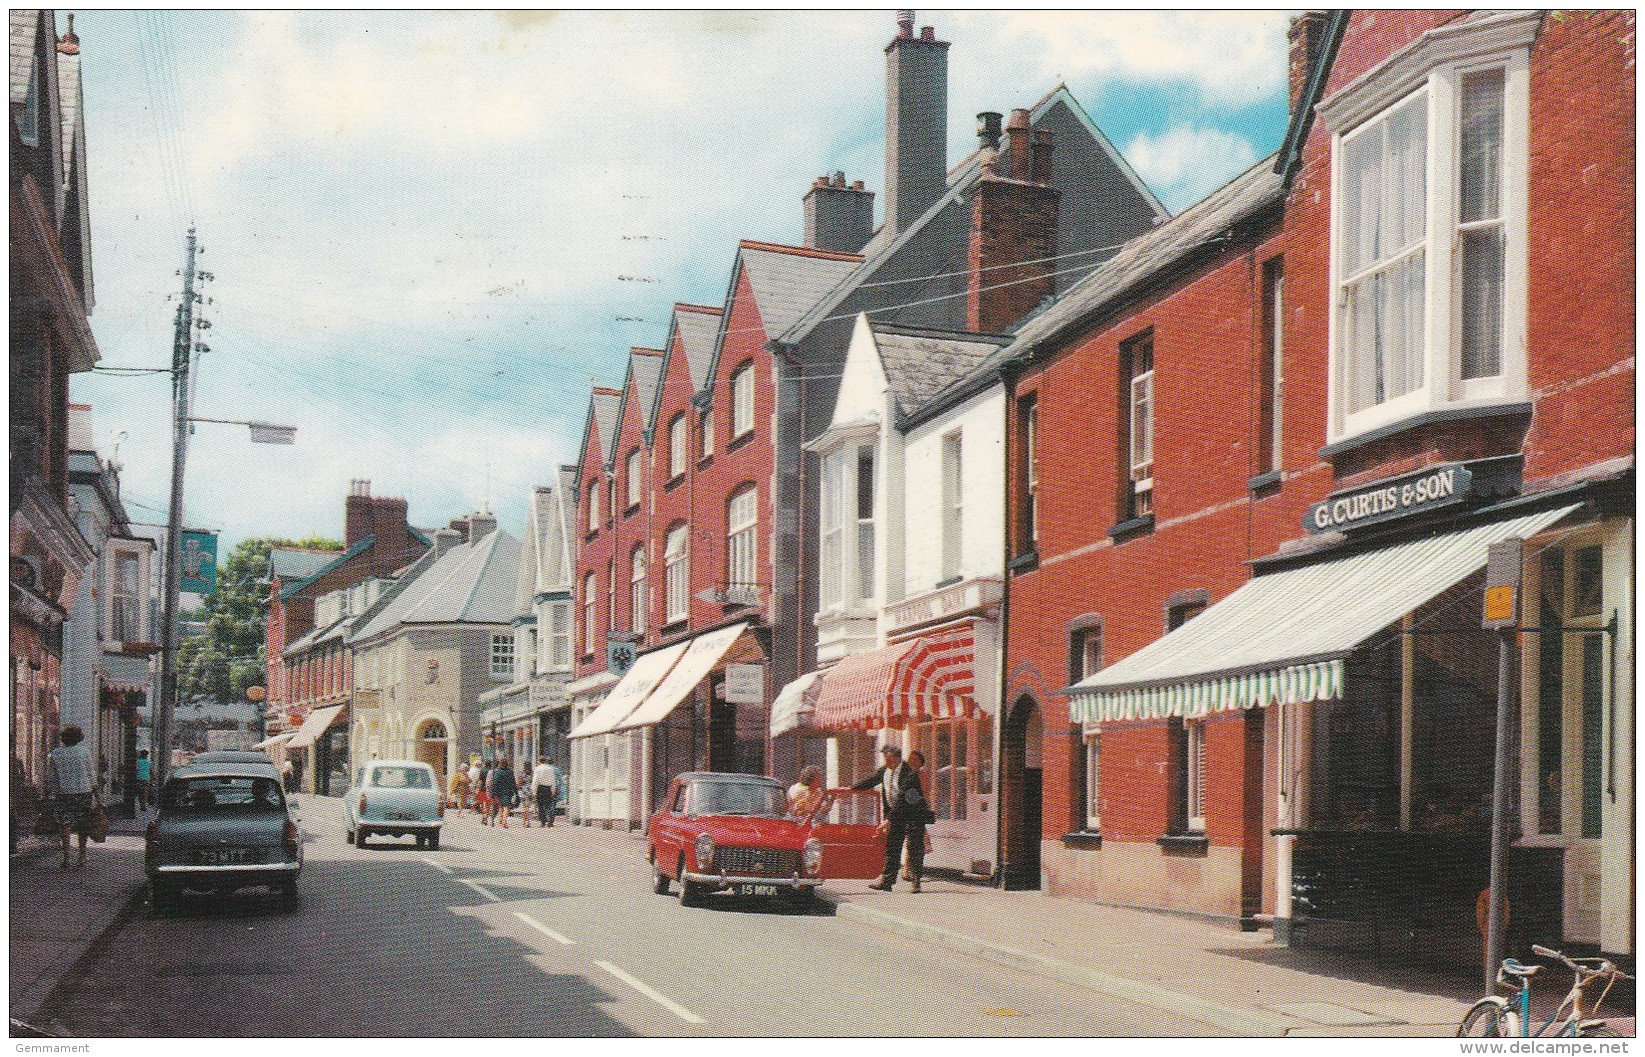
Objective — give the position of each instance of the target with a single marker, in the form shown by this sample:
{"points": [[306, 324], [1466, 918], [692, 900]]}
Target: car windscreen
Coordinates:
{"points": [[402, 778], [222, 793], [738, 798]]}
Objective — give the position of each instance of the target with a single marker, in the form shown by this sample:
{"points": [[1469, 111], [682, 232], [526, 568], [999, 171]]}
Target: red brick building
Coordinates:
{"points": [[1264, 590]]}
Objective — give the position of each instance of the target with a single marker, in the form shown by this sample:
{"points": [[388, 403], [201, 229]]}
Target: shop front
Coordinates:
{"points": [[919, 693], [1378, 685], [320, 751], [603, 761]]}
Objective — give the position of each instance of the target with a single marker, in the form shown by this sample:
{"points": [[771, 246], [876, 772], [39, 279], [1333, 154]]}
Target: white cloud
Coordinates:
{"points": [[1185, 164]]}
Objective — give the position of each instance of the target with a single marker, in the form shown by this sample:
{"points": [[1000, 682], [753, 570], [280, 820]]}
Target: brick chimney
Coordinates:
{"points": [[1012, 258], [916, 116], [838, 217], [1306, 35], [384, 518]]}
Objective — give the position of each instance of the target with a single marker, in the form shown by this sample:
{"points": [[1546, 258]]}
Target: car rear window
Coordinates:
{"points": [[222, 794], [402, 778]]}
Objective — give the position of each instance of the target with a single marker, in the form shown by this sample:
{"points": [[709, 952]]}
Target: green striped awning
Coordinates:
{"points": [[1282, 638]]}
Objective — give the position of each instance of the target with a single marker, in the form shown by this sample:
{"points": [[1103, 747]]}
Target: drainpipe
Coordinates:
{"points": [[1002, 667]]}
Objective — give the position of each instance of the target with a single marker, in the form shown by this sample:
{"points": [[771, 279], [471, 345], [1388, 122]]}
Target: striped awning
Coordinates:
{"points": [[930, 677], [1282, 638], [315, 725], [795, 707]]}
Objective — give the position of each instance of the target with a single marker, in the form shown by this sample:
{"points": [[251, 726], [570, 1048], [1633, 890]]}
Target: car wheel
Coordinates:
{"points": [[360, 837], [288, 894], [162, 895], [659, 880], [690, 892]]}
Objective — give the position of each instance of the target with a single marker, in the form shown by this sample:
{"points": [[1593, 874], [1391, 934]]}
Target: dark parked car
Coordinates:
{"points": [[718, 832], [222, 828]]}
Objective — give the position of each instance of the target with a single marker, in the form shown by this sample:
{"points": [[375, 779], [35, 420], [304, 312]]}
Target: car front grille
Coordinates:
{"points": [[757, 862]]}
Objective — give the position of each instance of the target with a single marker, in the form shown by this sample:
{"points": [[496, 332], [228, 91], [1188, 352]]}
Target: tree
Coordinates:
{"points": [[219, 664]]}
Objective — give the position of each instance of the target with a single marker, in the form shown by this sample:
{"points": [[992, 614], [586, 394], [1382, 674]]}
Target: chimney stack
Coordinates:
{"points": [[988, 130], [1012, 257], [916, 118], [445, 539], [1306, 36], [481, 525], [838, 217]]}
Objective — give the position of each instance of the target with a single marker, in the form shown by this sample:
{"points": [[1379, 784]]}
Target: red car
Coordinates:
{"points": [[718, 832]]}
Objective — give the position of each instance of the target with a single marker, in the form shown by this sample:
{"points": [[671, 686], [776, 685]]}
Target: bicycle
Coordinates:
{"points": [[1496, 1017]]}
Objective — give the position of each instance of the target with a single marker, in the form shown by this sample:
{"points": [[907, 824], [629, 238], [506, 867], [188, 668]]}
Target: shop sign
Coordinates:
{"points": [[735, 595], [1504, 566], [621, 651], [1412, 493], [199, 562], [745, 684]]}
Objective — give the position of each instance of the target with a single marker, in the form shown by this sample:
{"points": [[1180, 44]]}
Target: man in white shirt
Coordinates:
{"points": [[545, 783]]}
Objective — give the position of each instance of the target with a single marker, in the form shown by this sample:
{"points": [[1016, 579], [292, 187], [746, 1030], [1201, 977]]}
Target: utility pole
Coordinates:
{"points": [[182, 353]]}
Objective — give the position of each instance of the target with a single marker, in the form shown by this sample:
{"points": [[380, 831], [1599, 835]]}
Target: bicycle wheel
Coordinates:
{"points": [[1489, 1018]]}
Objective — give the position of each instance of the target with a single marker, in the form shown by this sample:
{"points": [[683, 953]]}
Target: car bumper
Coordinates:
{"points": [[189, 869], [399, 825], [721, 880]]}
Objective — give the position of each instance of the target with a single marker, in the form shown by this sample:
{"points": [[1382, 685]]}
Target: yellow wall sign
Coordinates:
{"points": [[1499, 603]]}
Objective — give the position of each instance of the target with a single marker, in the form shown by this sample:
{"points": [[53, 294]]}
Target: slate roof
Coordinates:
{"points": [[292, 564], [786, 281], [472, 583], [921, 364], [646, 365], [1143, 258], [606, 407], [23, 26], [698, 328]]}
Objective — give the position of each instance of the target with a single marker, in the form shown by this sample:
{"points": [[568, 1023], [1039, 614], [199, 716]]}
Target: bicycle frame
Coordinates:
{"points": [[1566, 1021]]}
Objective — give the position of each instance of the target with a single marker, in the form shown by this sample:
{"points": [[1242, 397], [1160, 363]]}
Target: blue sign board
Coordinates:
{"points": [[199, 556]]}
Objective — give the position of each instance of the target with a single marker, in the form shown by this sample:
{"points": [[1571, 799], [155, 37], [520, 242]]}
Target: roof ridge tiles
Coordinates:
{"points": [[798, 251]]}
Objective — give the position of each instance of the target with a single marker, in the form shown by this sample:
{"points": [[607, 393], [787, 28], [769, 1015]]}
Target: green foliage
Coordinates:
{"points": [[229, 657]]}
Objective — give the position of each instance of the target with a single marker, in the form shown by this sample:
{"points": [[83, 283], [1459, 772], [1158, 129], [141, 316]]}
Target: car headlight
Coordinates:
{"points": [[811, 857], [705, 851]]}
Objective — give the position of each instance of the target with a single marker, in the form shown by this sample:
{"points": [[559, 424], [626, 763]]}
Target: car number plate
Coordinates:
{"points": [[759, 890], [402, 816], [223, 856]]}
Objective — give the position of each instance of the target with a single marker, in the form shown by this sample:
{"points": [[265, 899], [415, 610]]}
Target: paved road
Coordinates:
{"points": [[543, 933]]}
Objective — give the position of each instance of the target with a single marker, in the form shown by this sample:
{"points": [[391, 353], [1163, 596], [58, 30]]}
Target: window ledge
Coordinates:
{"points": [[739, 441], [1082, 839], [1429, 418], [1025, 562], [1185, 844], [673, 482], [673, 626], [633, 508], [949, 582], [1265, 480], [704, 461], [1130, 530]]}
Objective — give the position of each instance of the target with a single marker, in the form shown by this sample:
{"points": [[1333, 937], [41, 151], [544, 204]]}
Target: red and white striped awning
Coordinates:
{"points": [[930, 677]]}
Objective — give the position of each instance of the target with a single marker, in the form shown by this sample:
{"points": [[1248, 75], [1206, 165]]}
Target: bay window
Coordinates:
{"points": [[847, 525], [559, 635], [1428, 228]]}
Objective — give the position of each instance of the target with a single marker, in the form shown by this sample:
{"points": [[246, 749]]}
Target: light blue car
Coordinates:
{"points": [[394, 798]]}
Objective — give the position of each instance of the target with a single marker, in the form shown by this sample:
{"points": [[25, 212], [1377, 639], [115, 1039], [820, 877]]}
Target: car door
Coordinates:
{"points": [[665, 828], [847, 823]]}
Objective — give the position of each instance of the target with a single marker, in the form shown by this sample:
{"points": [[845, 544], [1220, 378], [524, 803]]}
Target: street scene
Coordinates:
{"points": [[803, 524]]}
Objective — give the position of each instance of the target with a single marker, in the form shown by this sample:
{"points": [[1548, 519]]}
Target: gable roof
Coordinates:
{"points": [[1200, 229], [600, 425], [698, 328], [336, 562], [297, 563], [642, 378], [888, 247], [786, 280], [472, 583], [921, 364], [546, 562]]}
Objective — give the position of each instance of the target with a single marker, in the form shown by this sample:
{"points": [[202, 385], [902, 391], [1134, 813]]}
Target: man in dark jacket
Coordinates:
{"points": [[906, 813], [503, 789]]}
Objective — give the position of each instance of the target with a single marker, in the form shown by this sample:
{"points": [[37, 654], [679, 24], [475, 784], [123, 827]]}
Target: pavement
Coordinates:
{"points": [[1238, 983]]}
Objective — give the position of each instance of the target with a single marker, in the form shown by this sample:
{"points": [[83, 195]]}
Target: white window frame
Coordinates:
{"points": [[636, 590], [1140, 429], [705, 424], [677, 574], [742, 400], [559, 636], [134, 596], [1194, 763], [831, 526], [594, 504], [742, 538], [636, 478], [848, 555], [1430, 74], [591, 618], [502, 657], [953, 505], [678, 454]]}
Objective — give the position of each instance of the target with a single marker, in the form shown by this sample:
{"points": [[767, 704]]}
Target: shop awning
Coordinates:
{"points": [[795, 706], [929, 677], [700, 658], [632, 689], [278, 739], [314, 726], [129, 674], [1283, 637]]}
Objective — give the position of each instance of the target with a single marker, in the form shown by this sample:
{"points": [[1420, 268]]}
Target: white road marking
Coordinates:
{"points": [[544, 929], [437, 864], [662, 1000], [481, 889]]}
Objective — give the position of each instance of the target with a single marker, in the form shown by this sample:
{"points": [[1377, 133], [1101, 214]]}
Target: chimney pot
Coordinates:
{"points": [[1040, 157], [927, 33], [1018, 136], [839, 179], [905, 23], [988, 130], [856, 185]]}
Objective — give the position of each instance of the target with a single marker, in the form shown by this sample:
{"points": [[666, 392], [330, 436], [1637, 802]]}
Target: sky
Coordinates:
{"points": [[432, 232]]}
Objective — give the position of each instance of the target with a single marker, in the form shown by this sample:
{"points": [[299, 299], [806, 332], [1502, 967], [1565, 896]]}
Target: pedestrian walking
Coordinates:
{"points": [[545, 788], [288, 775], [906, 813], [482, 792], [145, 776], [458, 790], [69, 774], [503, 789]]}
